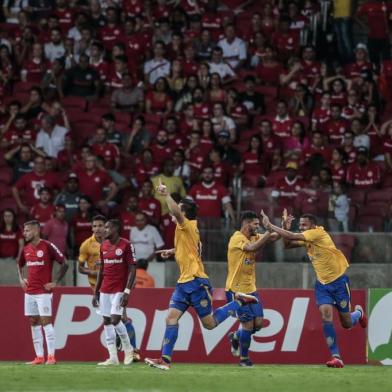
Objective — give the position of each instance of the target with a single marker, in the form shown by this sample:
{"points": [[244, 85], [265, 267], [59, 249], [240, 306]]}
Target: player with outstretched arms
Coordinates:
{"points": [[89, 261], [38, 256], [332, 285], [241, 277], [193, 286], [116, 276]]}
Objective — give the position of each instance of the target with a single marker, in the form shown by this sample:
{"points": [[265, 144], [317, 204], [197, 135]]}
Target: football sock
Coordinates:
{"points": [[355, 316], [245, 339], [131, 332], [110, 335], [169, 340], [38, 340], [50, 338], [123, 334], [222, 313], [330, 336]]}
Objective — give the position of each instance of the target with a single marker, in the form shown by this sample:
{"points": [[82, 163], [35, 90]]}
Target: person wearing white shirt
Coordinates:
{"points": [[217, 65], [145, 238], [51, 137], [55, 48], [158, 66], [234, 48]]}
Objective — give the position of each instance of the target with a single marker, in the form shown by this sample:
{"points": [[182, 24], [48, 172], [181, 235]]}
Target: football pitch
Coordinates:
{"points": [[193, 377]]}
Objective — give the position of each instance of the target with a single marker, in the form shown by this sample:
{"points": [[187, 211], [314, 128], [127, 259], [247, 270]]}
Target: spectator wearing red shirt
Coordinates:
{"points": [[119, 69], [337, 166], [211, 196], [96, 183], [150, 206], [145, 167], [161, 150], [282, 122], [107, 151], [127, 217], [271, 143], [377, 14], [64, 13], [17, 130], [196, 152], [81, 223], [56, 229], [336, 126], [285, 40], [348, 147], [252, 165], [112, 32], [363, 174], [158, 100], [35, 67], [31, 183], [11, 240], [361, 66], [43, 210], [311, 68], [176, 139], [317, 154], [269, 70], [97, 60], [222, 170], [322, 113]]}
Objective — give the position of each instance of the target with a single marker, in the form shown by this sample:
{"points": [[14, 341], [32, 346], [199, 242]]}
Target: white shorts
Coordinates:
{"points": [[110, 304], [38, 304]]}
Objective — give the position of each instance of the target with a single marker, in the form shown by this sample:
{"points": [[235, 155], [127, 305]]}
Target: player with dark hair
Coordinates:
{"points": [[116, 276], [38, 256], [193, 286], [332, 284], [241, 277]]}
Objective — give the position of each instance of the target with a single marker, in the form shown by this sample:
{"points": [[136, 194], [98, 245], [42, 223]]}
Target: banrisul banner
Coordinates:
{"points": [[380, 326]]}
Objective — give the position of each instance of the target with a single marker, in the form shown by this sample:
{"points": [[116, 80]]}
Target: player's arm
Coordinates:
{"points": [[286, 224], [285, 234], [99, 283], [131, 275], [166, 253], [171, 204], [82, 269], [56, 255], [20, 267], [255, 246]]}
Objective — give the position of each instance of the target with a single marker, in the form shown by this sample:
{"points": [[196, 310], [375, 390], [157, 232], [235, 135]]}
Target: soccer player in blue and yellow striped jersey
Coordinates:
{"points": [[332, 285]]}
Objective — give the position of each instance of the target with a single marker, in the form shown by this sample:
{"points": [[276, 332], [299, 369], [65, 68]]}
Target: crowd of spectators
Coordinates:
{"points": [[101, 98]]}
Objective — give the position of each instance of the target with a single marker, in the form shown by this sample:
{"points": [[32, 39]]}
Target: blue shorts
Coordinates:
{"points": [[336, 293], [196, 293], [248, 312]]}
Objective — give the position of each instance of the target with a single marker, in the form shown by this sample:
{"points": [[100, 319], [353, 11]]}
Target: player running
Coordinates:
{"points": [[38, 256], [332, 284], [241, 276], [116, 276], [89, 253], [193, 286]]}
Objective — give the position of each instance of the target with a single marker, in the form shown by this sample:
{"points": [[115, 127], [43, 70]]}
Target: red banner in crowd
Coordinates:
{"points": [[292, 330]]}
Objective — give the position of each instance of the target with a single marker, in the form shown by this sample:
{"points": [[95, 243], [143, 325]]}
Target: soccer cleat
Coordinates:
{"points": [[246, 299], [118, 343], [51, 360], [234, 343], [363, 321], [109, 362], [247, 363], [128, 358], [37, 361], [158, 363], [136, 355], [335, 362]]}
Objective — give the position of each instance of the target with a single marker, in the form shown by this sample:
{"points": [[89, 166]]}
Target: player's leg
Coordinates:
{"points": [[179, 303], [44, 302], [131, 334], [110, 333], [31, 311], [116, 312]]}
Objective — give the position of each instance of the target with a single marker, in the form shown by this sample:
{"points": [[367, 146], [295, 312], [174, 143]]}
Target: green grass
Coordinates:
{"points": [[193, 378]]}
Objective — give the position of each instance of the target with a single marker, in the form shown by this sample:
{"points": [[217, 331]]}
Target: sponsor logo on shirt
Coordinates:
{"points": [[112, 261], [34, 263]]}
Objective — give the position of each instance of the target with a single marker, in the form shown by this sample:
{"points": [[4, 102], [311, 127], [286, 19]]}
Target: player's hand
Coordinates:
{"points": [[23, 283], [266, 222], [165, 253], [124, 300], [161, 188], [286, 220], [49, 286], [95, 300]]}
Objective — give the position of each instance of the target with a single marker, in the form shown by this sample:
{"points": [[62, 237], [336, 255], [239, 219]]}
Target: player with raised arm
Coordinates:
{"points": [[241, 276], [332, 284], [116, 276], [193, 286], [89, 253], [38, 256]]}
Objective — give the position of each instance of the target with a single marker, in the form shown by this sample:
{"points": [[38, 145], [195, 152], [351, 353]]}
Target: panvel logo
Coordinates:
{"points": [[66, 326], [380, 326]]}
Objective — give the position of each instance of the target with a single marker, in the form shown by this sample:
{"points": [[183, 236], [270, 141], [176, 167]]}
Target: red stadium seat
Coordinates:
{"points": [[383, 195], [267, 91], [5, 175], [344, 242], [8, 202], [387, 181], [24, 87], [152, 118], [74, 102], [369, 223], [357, 197]]}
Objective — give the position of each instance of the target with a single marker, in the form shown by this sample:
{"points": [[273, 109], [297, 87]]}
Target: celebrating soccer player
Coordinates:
{"points": [[332, 284], [38, 256], [89, 254], [241, 276], [193, 287], [116, 276]]}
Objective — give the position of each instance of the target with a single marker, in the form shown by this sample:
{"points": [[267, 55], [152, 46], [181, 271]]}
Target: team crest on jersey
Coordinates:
{"points": [[204, 303], [370, 174], [40, 253], [119, 252], [343, 304]]}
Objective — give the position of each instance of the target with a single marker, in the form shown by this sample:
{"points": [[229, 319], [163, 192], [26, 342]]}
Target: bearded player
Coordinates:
{"points": [[116, 276], [332, 284], [193, 287], [89, 260], [38, 256]]}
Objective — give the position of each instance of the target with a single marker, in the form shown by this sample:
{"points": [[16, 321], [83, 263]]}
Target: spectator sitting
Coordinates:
{"points": [[143, 279], [128, 98], [69, 197], [139, 138], [56, 229], [113, 136], [339, 207], [158, 66], [43, 210], [128, 215], [148, 204], [11, 240], [217, 65], [55, 48]]}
